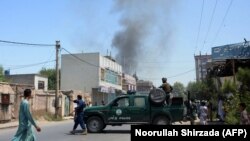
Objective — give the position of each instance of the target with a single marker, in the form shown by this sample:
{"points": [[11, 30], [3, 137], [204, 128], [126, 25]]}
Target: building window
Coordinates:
{"points": [[40, 85]]}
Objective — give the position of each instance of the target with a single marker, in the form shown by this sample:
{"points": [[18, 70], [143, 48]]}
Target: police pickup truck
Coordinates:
{"points": [[134, 109]]}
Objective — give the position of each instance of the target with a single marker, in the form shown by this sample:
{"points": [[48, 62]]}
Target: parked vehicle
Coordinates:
{"points": [[135, 109]]}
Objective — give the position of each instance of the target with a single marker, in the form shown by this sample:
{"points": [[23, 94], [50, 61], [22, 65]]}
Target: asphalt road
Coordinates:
{"points": [[58, 131]]}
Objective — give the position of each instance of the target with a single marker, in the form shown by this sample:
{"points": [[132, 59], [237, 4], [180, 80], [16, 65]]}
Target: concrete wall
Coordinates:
{"points": [[6, 109], [79, 75], [44, 101], [41, 102]]}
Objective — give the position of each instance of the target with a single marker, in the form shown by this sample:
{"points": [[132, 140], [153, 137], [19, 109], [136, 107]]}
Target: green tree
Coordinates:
{"points": [[228, 87], [1, 74], [198, 90], [243, 75], [239, 95], [211, 87], [231, 103], [51, 74], [178, 89]]}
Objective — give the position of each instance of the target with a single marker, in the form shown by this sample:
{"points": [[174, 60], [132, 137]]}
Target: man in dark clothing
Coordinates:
{"points": [[79, 115], [167, 89]]}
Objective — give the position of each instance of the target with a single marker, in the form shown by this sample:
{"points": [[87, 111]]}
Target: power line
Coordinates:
{"points": [[80, 58], [31, 65], [199, 26], [183, 73], [49, 58], [22, 43], [210, 23], [177, 75], [224, 18]]}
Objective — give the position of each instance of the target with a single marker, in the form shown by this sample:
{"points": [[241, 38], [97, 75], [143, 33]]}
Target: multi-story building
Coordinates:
{"points": [[144, 87], [101, 76], [201, 62], [128, 83]]}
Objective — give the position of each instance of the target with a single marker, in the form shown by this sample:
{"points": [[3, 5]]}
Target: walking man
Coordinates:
{"points": [[25, 132], [79, 115]]}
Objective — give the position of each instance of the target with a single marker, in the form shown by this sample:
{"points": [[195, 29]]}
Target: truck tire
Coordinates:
{"points": [[157, 96], [95, 124], [161, 120]]}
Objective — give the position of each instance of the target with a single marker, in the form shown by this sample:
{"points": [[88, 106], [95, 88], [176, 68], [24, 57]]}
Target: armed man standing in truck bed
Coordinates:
{"points": [[167, 89]]}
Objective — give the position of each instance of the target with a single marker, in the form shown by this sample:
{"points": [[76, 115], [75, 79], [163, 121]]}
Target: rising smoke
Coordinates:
{"points": [[145, 32]]}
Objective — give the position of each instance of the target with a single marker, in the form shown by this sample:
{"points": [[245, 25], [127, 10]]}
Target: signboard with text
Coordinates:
{"points": [[232, 51]]}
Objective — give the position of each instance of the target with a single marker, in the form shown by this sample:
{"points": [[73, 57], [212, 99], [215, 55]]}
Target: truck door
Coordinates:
{"points": [[119, 110], [140, 110], [177, 108]]}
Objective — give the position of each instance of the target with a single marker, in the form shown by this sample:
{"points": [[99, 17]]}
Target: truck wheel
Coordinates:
{"points": [[161, 120], [95, 124], [157, 96]]}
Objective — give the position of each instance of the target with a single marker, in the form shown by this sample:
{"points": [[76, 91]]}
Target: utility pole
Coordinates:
{"points": [[57, 79]]}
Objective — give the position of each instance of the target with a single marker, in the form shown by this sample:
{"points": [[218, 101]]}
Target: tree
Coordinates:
{"points": [[196, 90], [241, 95], [51, 74], [1, 74], [231, 103], [243, 75], [178, 89]]}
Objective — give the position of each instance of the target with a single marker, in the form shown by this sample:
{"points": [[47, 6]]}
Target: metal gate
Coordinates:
{"points": [[67, 106]]}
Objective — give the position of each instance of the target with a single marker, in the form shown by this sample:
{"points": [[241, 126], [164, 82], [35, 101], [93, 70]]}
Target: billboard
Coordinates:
{"points": [[232, 51]]}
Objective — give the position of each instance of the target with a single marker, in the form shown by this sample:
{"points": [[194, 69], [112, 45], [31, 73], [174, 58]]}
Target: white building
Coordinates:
{"points": [[92, 73]]}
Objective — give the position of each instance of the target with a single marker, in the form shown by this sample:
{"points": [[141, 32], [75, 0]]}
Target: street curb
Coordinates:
{"points": [[14, 124], [11, 126]]}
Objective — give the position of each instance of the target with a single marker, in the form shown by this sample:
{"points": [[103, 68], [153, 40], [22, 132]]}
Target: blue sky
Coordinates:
{"points": [[90, 26]]}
